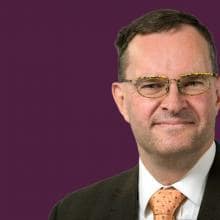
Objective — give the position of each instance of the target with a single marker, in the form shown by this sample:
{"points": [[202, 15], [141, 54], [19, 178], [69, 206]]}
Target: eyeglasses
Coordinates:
{"points": [[158, 86]]}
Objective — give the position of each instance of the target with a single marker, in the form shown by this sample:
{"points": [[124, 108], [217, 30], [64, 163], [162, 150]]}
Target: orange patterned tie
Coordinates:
{"points": [[165, 202]]}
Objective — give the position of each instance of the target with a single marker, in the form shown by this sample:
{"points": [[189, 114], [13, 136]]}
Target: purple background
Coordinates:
{"points": [[60, 127]]}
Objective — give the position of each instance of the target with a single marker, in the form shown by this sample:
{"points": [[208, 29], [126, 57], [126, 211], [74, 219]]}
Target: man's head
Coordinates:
{"points": [[170, 44], [157, 22]]}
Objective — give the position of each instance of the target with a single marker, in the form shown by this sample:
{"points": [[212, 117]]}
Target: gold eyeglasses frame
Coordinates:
{"points": [[136, 83]]}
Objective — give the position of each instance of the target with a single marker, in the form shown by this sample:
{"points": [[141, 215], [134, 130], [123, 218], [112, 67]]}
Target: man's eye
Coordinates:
{"points": [[152, 85], [193, 83]]}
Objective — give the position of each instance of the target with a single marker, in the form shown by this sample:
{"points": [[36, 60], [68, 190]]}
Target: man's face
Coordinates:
{"points": [[174, 124]]}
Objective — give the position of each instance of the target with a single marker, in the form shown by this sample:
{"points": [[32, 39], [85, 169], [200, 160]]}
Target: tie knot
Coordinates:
{"points": [[165, 202]]}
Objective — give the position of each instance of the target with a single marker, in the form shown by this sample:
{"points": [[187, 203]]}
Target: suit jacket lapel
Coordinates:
{"points": [[124, 203], [125, 199], [210, 208]]}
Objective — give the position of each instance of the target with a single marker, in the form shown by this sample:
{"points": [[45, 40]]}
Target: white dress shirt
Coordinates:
{"points": [[192, 186]]}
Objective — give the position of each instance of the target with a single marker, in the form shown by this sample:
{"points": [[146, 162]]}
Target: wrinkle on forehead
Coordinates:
{"points": [[183, 50]]}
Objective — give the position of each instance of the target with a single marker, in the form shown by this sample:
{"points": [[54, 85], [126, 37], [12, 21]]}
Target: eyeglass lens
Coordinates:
{"points": [[158, 86]]}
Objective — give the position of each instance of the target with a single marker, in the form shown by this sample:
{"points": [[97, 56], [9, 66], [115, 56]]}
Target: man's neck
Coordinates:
{"points": [[168, 170]]}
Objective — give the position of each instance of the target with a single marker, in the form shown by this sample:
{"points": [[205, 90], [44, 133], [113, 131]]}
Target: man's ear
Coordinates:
{"points": [[217, 94], [118, 93]]}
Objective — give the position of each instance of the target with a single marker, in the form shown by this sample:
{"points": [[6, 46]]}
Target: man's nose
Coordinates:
{"points": [[173, 101]]}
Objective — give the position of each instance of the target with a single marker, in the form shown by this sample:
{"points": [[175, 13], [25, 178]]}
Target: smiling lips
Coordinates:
{"points": [[173, 122], [183, 118]]}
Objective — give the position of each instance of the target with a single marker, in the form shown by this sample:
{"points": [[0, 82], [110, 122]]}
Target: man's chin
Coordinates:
{"points": [[173, 153], [174, 145]]}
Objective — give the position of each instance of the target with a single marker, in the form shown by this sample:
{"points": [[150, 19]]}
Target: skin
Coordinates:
{"points": [[172, 132]]}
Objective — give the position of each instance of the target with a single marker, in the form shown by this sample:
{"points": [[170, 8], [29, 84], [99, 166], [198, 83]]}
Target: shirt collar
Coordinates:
{"points": [[192, 185]]}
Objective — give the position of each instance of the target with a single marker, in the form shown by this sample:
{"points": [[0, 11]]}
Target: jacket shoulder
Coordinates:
{"points": [[86, 201]]}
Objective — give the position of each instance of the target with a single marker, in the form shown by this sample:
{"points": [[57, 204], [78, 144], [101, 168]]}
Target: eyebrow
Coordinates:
{"points": [[182, 75]]}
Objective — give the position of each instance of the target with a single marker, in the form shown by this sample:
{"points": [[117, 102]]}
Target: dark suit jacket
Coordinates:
{"points": [[117, 199]]}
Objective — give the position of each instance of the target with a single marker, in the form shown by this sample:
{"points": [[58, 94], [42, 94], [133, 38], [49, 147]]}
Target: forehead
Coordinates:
{"points": [[174, 52]]}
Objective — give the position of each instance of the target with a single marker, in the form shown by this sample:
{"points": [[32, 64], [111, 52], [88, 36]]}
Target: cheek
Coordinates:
{"points": [[205, 107], [141, 109]]}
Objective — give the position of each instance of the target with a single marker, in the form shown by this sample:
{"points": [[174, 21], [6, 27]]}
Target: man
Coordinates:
{"points": [[169, 93]]}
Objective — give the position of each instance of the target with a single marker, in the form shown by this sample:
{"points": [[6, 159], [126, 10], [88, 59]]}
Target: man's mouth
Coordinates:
{"points": [[173, 123]]}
